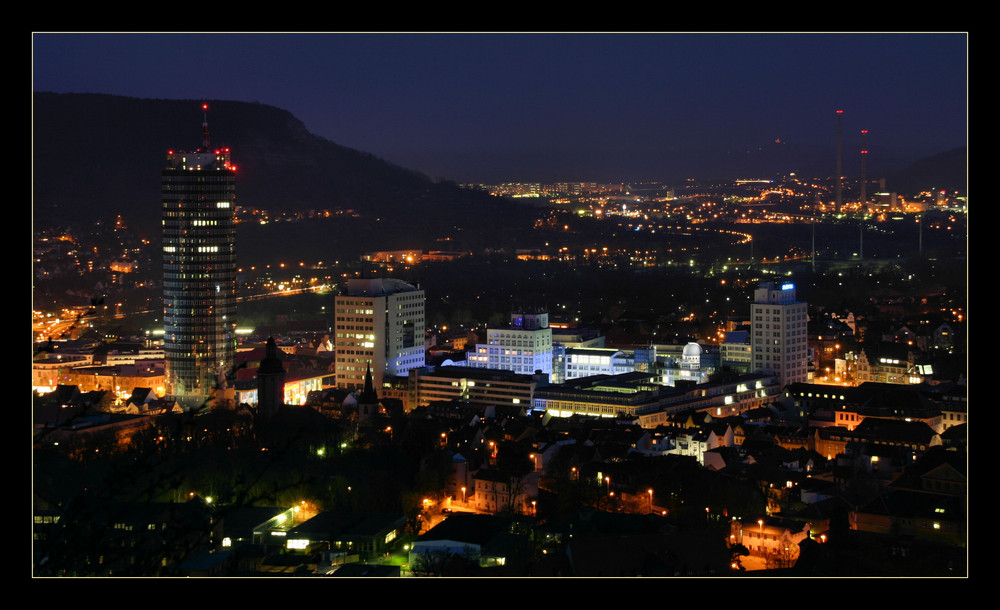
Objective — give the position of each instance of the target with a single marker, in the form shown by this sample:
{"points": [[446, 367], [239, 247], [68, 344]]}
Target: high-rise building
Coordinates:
{"points": [[199, 272], [523, 347], [379, 323], [779, 336]]}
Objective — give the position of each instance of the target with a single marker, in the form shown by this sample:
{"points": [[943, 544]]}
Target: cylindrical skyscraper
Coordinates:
{"points": [[199, 272]]}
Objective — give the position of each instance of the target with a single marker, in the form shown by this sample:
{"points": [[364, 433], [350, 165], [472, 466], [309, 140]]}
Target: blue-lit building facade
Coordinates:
{"points": [[199, 272], [524, 347]]}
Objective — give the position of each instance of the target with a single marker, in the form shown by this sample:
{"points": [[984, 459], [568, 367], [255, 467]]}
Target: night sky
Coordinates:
{"points": [[523, 107]]}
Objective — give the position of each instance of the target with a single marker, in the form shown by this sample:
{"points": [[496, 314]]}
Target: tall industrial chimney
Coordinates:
{"points": [[864, 168], [840, 171]]}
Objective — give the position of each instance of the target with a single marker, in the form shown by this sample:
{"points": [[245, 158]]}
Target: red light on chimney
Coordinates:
{"points": [[840, 112]]}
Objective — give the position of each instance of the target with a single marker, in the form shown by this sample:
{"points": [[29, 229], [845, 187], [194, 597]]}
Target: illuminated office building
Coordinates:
{"points": [[779, 334], [379, 323], [523, 347], [199, 272]]}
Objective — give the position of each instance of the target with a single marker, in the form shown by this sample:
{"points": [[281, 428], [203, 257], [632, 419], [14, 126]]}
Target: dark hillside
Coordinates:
{"points": [[96, 156], [944, 171]]}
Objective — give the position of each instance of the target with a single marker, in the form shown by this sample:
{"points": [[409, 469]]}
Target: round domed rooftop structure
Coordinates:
{"points": [[692, 349], [691, 356]]}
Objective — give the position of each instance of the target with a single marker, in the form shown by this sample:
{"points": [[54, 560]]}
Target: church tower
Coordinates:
{"points": [[368, 401], [270, 382]]}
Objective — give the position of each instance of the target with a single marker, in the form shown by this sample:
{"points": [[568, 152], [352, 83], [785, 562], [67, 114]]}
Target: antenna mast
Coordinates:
{"points": [[864, 193], [204, 128]]}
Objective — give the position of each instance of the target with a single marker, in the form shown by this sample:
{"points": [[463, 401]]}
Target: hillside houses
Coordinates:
{"points": [[810, 457]]}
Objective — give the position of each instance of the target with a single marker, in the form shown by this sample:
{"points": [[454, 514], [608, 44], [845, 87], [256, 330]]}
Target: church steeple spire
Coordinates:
{"points": [[368, 394], [368, 401]]}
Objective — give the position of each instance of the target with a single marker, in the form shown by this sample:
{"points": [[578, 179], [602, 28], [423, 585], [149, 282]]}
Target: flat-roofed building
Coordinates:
{"points": [[584, 362], [735, 351], [601, 396], [378, 323], [525, 346], [487, 387], [646, 397], [779, 336]]}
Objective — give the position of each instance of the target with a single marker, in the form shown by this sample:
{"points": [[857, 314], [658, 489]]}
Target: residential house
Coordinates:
{"points": [[461, 542], [771, 538], [831, 441], [914, 514], [497, 491], [888, 363]]}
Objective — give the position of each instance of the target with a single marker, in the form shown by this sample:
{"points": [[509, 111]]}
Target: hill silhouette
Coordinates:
{"points": [[948, 170], [96, 156]]}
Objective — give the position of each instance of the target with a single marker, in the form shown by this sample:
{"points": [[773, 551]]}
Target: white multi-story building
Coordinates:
{"points": [[576, 362], [523, 347], [735, 351], [778, 336], [379, 322]]}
